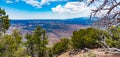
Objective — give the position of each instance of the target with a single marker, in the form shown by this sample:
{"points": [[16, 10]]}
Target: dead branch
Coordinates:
{"points": [[112, 8]]}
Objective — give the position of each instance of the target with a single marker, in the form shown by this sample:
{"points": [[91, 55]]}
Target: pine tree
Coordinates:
{"points": [[4, 21], [37, 42]]}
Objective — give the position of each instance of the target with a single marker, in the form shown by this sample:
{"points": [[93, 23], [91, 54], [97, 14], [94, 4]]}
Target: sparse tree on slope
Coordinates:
{"points": [[4, 21], [37, 42], [87, 38], [30, 44], [109, 13], [10, 45], [61, 46]]}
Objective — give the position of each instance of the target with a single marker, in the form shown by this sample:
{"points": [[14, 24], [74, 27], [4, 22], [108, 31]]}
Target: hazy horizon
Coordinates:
{"points": [[50, 19], [45, 9]]}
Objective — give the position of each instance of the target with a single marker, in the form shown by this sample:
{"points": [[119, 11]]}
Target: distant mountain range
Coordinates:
{"points": [[55, 28]]}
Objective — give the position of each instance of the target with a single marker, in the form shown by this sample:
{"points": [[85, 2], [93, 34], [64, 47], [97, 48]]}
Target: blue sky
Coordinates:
{"points": [[44, 9]]}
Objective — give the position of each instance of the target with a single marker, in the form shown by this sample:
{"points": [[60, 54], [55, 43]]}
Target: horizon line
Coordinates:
{"points": [[44, 18]]}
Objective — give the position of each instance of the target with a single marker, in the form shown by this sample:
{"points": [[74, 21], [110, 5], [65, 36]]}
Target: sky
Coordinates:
{"points": [[45, 9]]}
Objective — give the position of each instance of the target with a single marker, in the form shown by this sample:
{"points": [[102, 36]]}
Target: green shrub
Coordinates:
{"points": [[87, 38], [61, 46], [114, 41]]}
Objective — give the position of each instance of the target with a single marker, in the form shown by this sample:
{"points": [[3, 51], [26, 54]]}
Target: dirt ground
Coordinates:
{"points": [[96, 52]]}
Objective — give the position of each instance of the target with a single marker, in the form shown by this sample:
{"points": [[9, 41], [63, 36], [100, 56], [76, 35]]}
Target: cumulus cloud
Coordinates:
{"points": [[33, 3], [11, 1], [71, 7], [39, 4], [8, 1]]}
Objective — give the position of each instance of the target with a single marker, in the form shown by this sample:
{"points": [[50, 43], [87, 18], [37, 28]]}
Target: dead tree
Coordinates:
{"points": [[109, 13], [107, 10], [107, 48]]}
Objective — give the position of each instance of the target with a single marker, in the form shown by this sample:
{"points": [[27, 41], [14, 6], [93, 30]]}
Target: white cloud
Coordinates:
{"points": [[44, 2], [11, 1], [33, 3], [39, 4], [8, 1], [71, 7], [18, 14]]}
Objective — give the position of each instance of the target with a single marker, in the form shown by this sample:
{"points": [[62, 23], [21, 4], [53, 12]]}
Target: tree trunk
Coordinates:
{"points": [[108, 49], [32, 54]]}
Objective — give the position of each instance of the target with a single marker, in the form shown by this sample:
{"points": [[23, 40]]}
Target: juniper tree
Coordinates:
{"points": [[4, 21]]}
